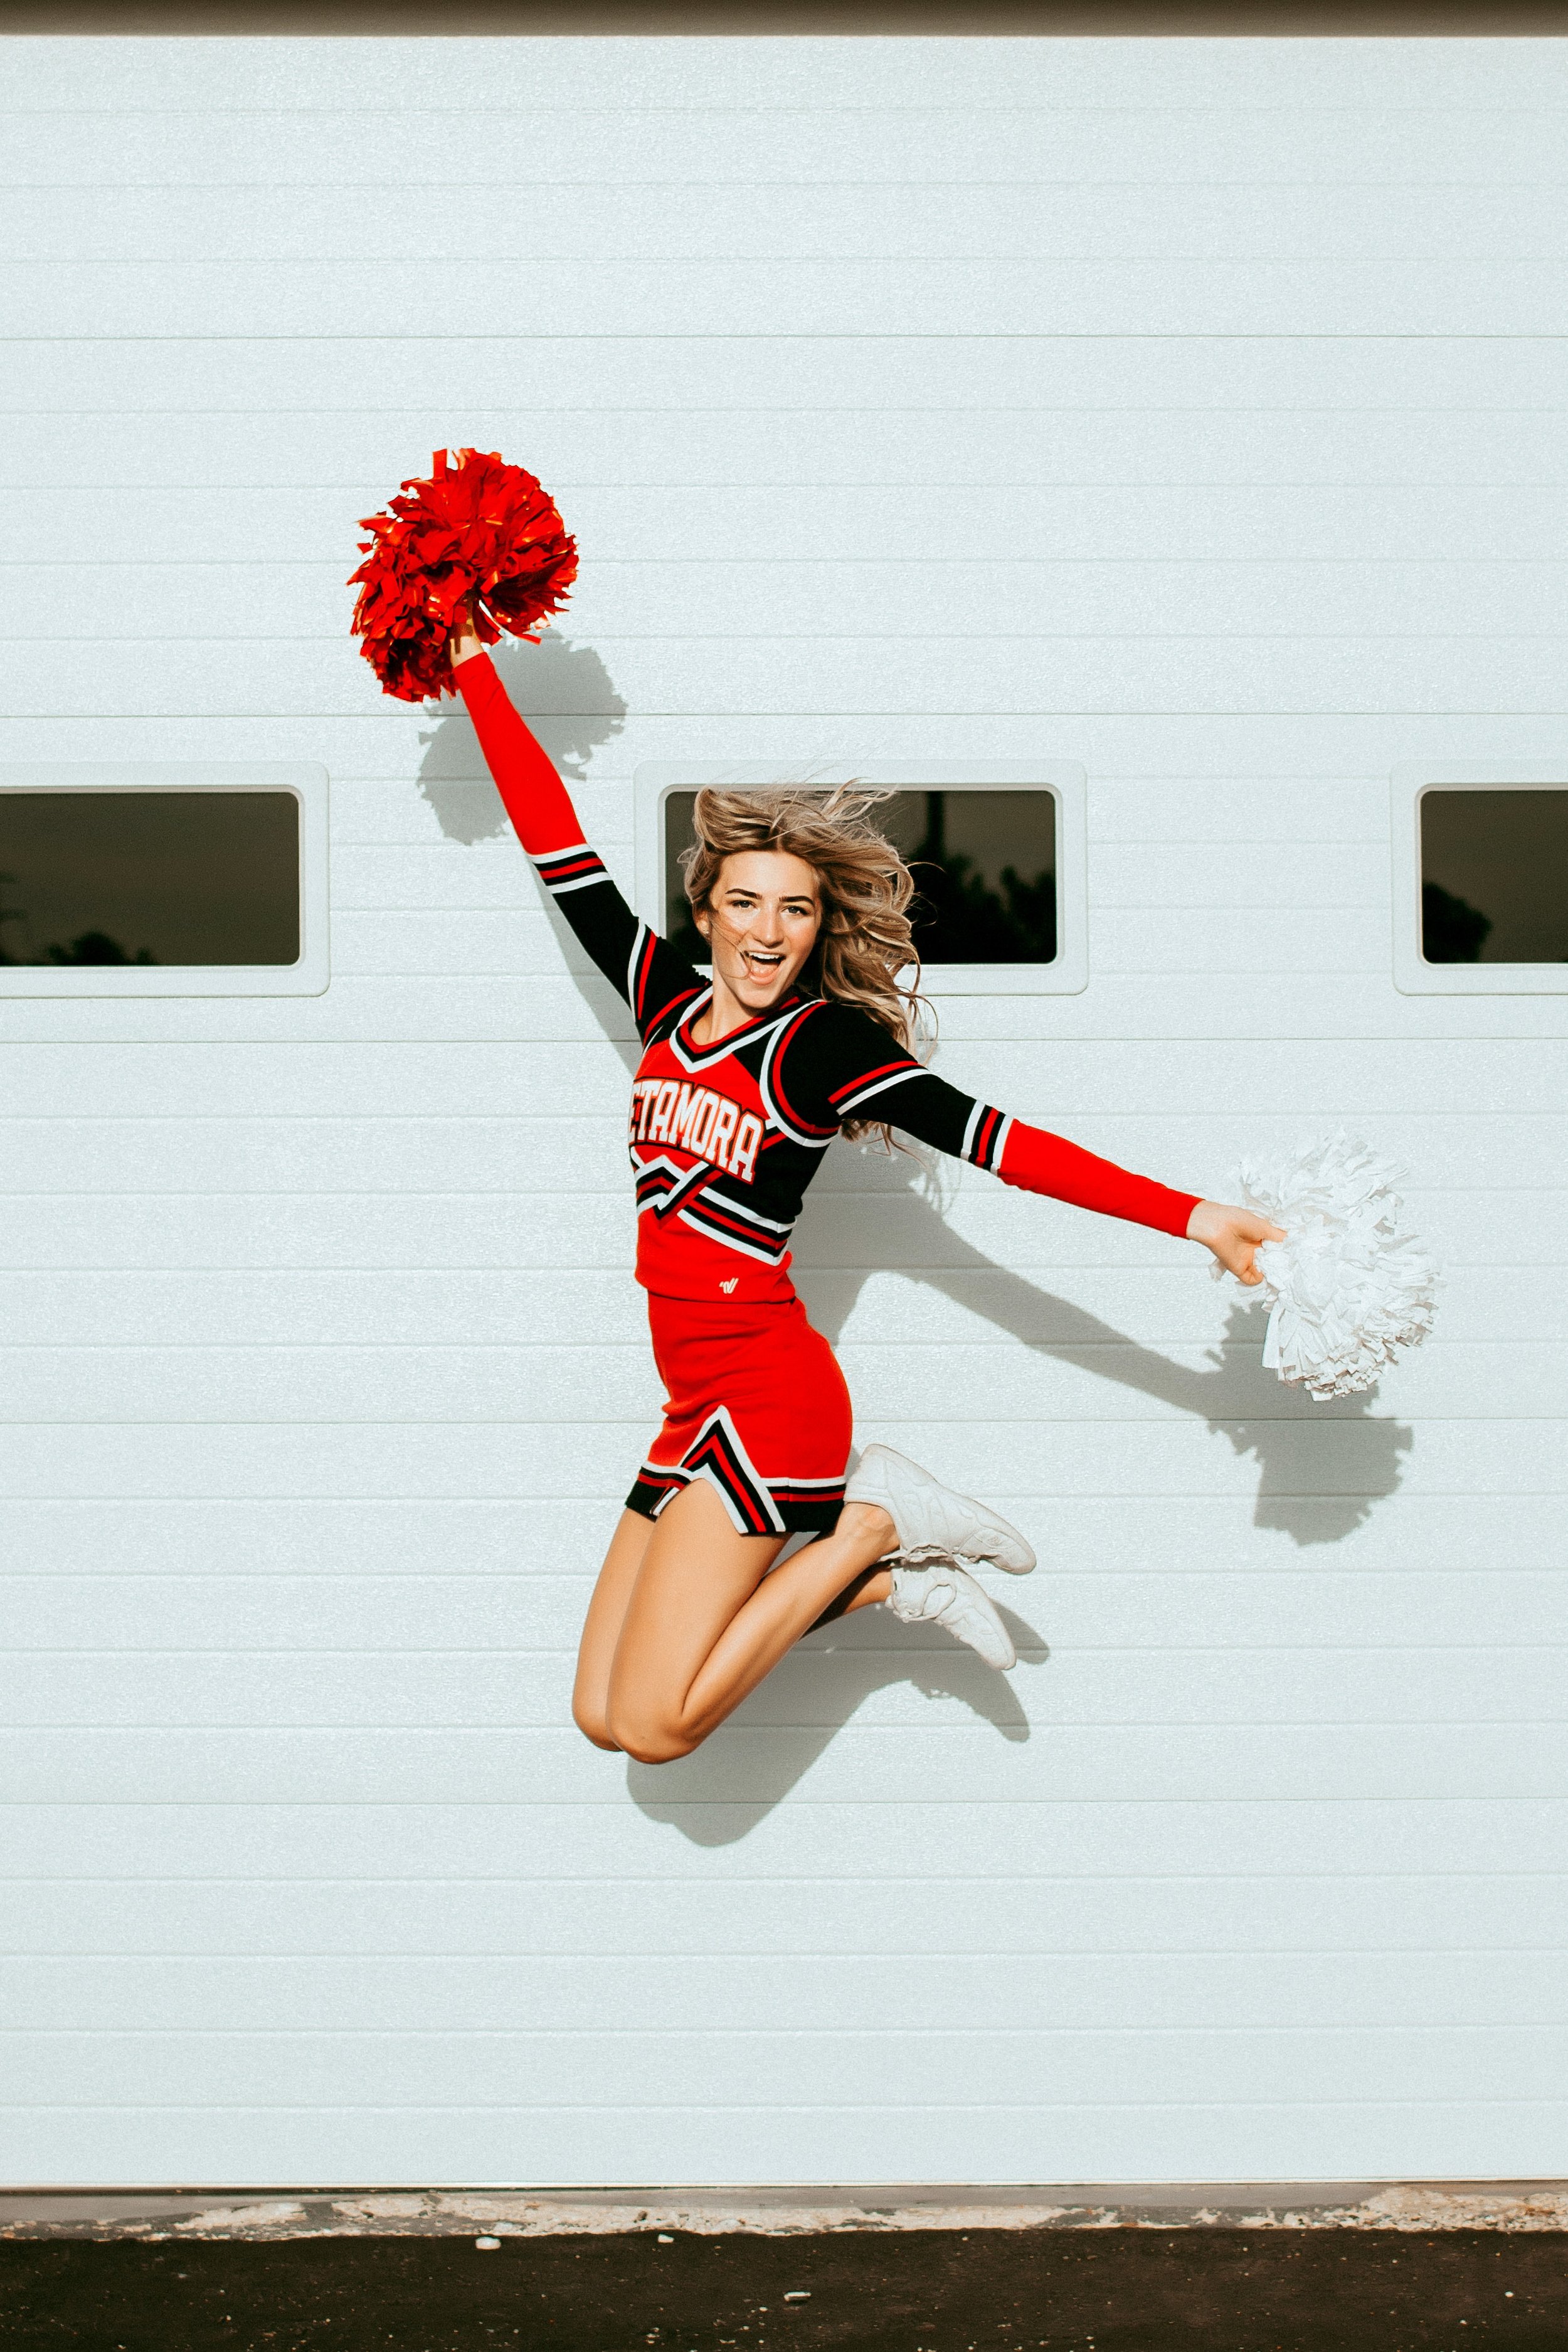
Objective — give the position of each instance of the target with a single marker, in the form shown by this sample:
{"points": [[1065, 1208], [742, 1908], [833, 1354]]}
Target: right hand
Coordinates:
{"points": [[464, 641]]}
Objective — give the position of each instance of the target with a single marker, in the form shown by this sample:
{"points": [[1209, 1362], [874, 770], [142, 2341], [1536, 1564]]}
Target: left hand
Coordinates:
{"points": [[1233, 1235]]}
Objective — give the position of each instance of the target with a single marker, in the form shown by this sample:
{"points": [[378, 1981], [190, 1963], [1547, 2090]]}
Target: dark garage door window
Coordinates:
{"points": [[1494, 876], [153, 877], [984, 866]]}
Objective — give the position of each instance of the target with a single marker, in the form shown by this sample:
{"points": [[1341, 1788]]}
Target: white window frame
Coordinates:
{"points": [[1068, 785], [1413, 975], [307, 977]]}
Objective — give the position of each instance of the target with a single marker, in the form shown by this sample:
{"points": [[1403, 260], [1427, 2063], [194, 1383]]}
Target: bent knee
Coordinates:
{"points": [[590, 1722], [653, 1742]]}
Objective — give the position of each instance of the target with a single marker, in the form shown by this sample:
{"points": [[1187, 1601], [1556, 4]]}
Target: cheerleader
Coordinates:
{"points": [[802, 1034]]}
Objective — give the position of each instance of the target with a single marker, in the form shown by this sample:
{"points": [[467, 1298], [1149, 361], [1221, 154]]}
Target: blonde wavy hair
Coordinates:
{"points": [[865, 942]]}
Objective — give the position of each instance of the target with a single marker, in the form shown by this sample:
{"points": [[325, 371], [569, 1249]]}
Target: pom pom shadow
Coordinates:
{"points": [[568, 698]]}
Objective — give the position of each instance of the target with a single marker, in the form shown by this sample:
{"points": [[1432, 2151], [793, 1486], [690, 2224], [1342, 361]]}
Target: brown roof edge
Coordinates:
{"points": [[986, 19]]}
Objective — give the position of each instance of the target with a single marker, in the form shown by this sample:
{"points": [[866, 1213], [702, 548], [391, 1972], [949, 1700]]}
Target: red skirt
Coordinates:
{"points": [[756, 1405]]}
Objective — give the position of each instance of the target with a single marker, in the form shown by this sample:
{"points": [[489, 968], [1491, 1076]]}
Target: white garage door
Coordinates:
{"points": [[1190, 412]]}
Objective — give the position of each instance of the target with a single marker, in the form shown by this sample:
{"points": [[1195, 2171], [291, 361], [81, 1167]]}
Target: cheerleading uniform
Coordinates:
{"points": [[724, 1139]]}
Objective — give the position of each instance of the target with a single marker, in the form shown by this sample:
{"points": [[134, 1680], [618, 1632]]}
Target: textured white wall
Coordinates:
{"points": [[1193, 411]]}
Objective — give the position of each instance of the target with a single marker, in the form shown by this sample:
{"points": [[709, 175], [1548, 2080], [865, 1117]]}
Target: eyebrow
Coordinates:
{"points": [[789, 899]]}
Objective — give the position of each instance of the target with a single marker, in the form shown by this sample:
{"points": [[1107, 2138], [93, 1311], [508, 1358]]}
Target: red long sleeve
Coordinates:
{"points": [[536, 801], [1039, 1162]]}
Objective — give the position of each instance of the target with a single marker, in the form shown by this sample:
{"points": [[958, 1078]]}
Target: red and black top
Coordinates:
{"points": [[724, 1138]]}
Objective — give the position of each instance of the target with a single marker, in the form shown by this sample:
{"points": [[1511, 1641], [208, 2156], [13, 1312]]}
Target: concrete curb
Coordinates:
{"points": [[151, 2215]]}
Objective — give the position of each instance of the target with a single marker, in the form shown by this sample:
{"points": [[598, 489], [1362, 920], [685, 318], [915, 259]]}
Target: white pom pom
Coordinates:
{"points": [[1352, 1282]]}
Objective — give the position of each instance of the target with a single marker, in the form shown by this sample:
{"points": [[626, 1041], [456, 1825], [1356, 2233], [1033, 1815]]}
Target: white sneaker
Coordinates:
{"points": [[931, 1519], [940, 1592]]}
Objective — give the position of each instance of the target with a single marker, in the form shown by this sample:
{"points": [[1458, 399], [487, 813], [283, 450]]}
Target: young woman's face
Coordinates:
{"points": [[761, 923]]}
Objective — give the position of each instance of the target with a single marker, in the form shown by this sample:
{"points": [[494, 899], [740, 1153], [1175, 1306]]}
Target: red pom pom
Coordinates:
{"points": [[479, 528]]}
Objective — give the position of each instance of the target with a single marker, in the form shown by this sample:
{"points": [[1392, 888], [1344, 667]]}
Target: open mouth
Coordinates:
{"points": [[760, 965]]}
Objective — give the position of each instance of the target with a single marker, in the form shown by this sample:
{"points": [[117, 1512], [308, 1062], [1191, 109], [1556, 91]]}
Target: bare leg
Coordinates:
{"points": [[613, 1596], [703, 1623], [602, 1627], [867, 1594]]}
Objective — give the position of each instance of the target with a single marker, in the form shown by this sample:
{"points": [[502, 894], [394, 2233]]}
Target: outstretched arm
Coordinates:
{"points": [[1040, 1162], [639, 965], [838, 1064]]}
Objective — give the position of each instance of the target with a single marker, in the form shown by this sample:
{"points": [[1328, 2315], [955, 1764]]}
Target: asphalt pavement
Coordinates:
{"points": [[1110, 2290]]}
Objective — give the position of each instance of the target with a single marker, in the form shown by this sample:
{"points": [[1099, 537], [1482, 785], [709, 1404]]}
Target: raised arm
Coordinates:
{"points": [[838, 1064], [639, 965]]}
